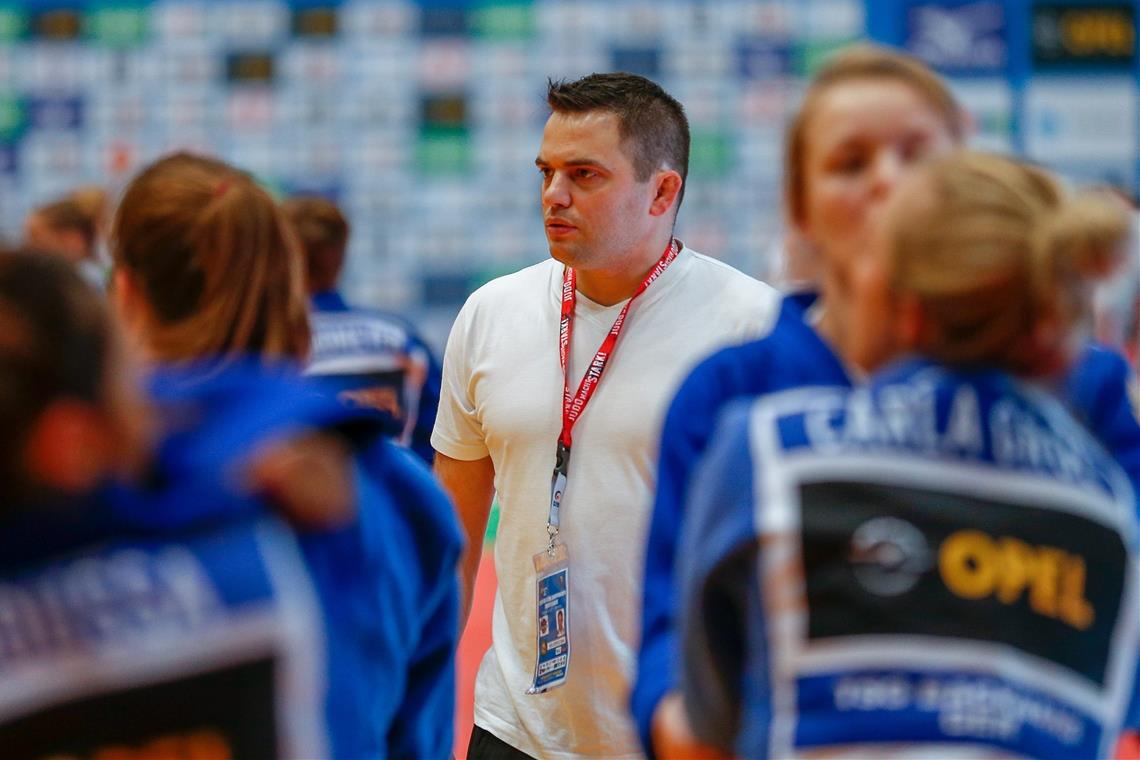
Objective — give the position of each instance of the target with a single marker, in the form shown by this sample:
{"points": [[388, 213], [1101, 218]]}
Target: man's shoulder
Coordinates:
{"points": [[718, 292], [724, 275], [782, 337]]}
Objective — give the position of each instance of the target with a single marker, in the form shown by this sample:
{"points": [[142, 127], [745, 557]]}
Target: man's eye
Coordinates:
{"points": [[585, 173]]}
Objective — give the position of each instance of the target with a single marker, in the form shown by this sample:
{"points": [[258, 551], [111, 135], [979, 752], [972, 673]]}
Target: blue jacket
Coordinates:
{"points": [[939, 558], [792, 355], [378, 362], [1101, 390], [360, 622]]}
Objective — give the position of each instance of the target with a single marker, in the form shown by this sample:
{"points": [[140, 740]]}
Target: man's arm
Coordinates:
{"points": [[470, 484]]}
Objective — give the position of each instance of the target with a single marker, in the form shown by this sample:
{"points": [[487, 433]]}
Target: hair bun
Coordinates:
{"points": [[1084, 236]]}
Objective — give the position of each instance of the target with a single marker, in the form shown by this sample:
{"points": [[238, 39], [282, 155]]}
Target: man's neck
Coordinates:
{"points": [[612, 286]]}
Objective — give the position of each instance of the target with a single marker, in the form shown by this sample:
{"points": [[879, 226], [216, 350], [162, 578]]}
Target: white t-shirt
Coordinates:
{"points": [[502, 397]]}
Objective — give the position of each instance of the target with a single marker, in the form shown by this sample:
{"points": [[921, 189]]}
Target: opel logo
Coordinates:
{"points": [[888, 556]]}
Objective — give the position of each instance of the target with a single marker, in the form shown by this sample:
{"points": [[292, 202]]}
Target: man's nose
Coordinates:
{"points": [[556, 191]]}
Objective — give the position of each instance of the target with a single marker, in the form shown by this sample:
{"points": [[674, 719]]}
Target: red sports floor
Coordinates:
{"points": [[476, 640]]}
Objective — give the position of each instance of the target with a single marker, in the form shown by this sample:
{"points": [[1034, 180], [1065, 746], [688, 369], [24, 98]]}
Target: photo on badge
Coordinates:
{"points": [[552, 597]]}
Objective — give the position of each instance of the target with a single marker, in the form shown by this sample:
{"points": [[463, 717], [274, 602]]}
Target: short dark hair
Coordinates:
{"points": [[323, 232], [54, 344], [650, 120]]}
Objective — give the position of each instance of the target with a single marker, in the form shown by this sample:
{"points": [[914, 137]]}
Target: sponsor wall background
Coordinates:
{"points": [[423, 118]]}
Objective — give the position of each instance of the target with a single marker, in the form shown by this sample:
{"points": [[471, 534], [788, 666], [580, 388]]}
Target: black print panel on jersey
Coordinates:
{"points": [[382, 391], [224, 713], [886, 559]]}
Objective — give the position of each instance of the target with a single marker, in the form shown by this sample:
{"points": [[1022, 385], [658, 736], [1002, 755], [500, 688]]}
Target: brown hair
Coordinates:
{"points": [[860, 62], [54, 343], [993, 250], [215, 259], [92, 201], [69, 214], [650, 121], [323, 232]]}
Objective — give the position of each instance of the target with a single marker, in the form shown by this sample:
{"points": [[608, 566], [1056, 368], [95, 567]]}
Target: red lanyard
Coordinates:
{"points": [[573, 406]]}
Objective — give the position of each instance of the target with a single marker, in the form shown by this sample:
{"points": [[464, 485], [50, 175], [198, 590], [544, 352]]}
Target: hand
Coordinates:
{"points": [[673, 738], [308, 478]]}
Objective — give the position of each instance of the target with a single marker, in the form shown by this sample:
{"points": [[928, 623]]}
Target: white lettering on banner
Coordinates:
{"points": [[1020, 440], [111, 599], [964, 430], [358, 336], [903, 416], [965, 706]]}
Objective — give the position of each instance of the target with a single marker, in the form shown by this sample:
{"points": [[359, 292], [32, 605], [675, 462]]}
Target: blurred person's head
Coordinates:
{"points": [[869, 115], [984, 261], [614, 157], [323, 233], [62, 228], [94, 202], [206, 265], [71, 413]]}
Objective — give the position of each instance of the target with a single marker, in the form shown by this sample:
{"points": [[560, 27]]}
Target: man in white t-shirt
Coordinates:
{"points": [[631, 310]]}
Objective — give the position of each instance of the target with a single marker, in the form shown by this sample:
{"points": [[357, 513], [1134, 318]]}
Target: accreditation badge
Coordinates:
{"points": [[552, 631]]}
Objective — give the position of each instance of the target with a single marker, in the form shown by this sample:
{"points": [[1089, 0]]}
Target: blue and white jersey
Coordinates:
{"points": [[208, 646], [791, 355], [189, 614], [376, 361], [938, 561]]}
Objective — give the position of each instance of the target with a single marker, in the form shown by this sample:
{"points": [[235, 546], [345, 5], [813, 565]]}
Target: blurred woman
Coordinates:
{"points": [[196, 641], [209, 282], [867, 118], [206, 267], [942, 561]]}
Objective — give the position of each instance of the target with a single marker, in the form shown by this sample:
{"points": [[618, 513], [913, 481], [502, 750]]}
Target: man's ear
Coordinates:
{"points": [[668, 186], [68, 448]]}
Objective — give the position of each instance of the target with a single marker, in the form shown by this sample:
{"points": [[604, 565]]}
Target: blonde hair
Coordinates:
{"points": [[994, 250], [859, 63], [215, 259]]}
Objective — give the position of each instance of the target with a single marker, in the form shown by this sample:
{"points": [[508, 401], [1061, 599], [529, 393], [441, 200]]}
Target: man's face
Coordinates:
{"points": [[594, 208]]}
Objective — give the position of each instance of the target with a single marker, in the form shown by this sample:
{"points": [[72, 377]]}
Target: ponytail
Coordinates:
{"points": [[1078, 241], [1000, 259], [216, 261]]}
